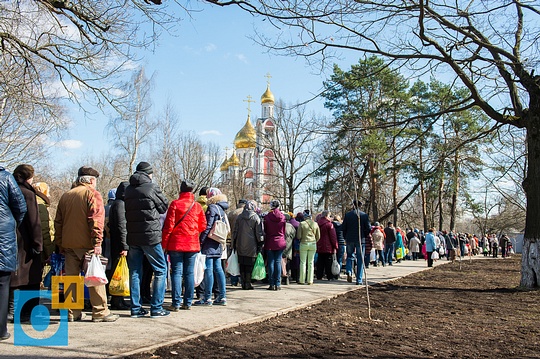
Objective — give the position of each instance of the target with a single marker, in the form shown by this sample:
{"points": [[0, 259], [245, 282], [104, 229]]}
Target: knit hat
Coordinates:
{"points": [[87, 171], [112, 194], [203, 191], [23, 172], [307, 214], [212, 192], [187, 185], [145, 167], [299, 216], [275, 204]]}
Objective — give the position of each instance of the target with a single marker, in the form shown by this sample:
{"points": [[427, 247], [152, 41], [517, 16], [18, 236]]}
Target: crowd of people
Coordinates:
{"points": [[158, 239]]}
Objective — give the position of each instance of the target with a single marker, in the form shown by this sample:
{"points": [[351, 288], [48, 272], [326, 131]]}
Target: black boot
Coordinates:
{"points": [[11, 307]]}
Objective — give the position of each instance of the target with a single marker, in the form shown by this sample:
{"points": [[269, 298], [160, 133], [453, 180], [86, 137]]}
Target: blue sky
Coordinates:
{"points": [[207, 71]]}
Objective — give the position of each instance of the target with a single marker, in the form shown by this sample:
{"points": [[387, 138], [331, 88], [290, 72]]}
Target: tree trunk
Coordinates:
{"points": [[373, 188], [394, 183], [530, 264], [455, 191], [440, 199], [291, 196], [423, 189]]}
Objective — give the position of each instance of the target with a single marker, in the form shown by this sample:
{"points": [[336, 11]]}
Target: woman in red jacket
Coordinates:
{"points": [[184, 222], [326, 246]]}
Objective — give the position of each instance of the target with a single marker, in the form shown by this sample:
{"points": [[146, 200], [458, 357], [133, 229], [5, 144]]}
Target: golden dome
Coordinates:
{"points": [[267, 96], [234, 161], [225, 165], [246, 137]]}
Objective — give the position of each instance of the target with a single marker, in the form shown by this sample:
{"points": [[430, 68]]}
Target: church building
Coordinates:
{"points": [[250, 171]]}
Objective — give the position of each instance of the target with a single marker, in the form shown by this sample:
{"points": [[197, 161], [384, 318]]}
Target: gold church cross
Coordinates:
{"points": [[268, 77], [249, 101]]}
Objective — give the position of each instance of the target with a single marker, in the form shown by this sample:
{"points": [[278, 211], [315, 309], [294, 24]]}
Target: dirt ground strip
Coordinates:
{"points": [[470, 310]]}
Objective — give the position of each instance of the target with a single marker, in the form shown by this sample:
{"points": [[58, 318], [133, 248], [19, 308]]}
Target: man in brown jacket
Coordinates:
{"points": [[78, 227]]}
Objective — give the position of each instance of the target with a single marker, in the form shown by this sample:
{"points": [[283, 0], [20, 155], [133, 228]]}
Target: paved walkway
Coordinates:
{"points": [[129, 335]]}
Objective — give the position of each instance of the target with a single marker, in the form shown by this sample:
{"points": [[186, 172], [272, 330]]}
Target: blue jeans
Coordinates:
{"points": [[389, 253], [353, 248], [274, 267], [341, 252], [182, 264], [213, 265], [156, 257]]}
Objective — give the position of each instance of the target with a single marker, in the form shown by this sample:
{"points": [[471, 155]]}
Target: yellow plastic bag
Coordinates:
{"points": [[119, 285]]}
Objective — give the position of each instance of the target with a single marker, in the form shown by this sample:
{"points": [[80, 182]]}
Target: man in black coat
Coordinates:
{"points": [[356, 228], [118, 235], [144, 203]]}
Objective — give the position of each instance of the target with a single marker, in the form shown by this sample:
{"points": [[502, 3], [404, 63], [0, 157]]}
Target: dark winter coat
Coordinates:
{"points": [[12, 212], [351, 229], [390, 235], [117, 222], [274, 231], [328, 242], [339, 233], [290, 235], [217, 205], [144, 203], [247, 235], [29, 242]]}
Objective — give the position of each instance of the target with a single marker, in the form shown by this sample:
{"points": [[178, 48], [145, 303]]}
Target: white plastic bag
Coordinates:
{"points": [[435, 255], [95, 275], [233, 268], [335, 265], [373, 256], [198, 270]]}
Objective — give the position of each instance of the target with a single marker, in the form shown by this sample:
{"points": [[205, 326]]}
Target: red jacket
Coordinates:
{"points": [[328, 242], [183, 237]]}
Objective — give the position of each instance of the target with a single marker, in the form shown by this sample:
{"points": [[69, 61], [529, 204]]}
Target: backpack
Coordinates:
{"points": [[377, 235]]}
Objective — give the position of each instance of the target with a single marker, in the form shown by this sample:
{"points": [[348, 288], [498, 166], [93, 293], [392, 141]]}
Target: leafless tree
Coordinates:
{"points": [[55, 51], [132, 128], [27, 125], [180, 155], [293, 147], [491, 48]]}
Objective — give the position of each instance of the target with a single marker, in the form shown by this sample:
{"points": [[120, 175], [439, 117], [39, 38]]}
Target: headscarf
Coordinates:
{"points": [[42, 187], [275, 204], [251, 206], [212, 191]]}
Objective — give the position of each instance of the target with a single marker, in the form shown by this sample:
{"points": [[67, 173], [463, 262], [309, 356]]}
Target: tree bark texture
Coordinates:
{"points": [[530, 265]]}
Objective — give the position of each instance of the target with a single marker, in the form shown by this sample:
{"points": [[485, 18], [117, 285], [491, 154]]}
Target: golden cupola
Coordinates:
{"points": [[246, 137], [233, 160], [225, 165], [267, 96]]}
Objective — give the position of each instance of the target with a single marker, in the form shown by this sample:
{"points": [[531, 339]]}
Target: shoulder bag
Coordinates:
{"points": [[220, 230], [185, 214]]}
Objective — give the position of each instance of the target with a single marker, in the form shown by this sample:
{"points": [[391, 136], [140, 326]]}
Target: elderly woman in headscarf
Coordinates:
{"points": [[217, 205], [274, 243], [247, 237]]}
